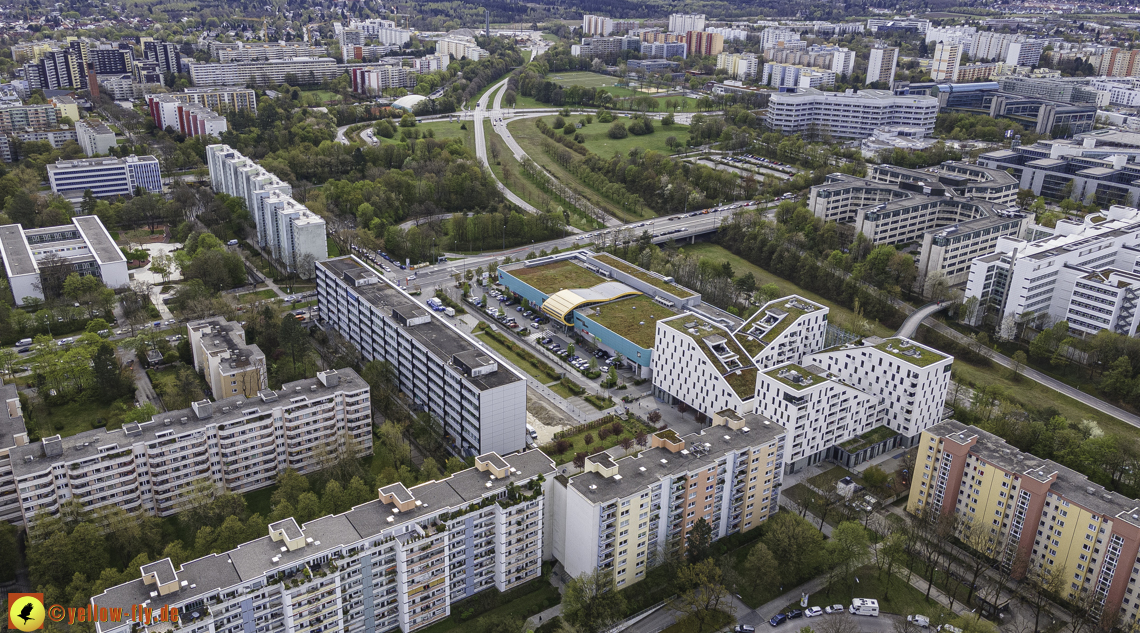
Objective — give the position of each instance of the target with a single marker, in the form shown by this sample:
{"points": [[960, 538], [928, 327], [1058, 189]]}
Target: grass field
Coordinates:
{"points": [[591, 80], [599, 142], [78, 416], [719, 255], [334, 250], [257, 295], [441, 130], [323, 95], [894, 594]]}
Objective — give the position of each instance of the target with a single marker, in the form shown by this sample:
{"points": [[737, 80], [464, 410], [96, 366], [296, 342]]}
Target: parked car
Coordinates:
{"points": [[795, 613], [778, 619], [919, 620], [744, 628], [812, 612], [835, 608]]}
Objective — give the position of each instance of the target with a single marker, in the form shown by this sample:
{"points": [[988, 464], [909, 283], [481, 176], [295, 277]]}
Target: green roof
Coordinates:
{"points": [[744, 383], [561, 275], [628, 268], [786, 378], [634, 318], [911, 353], [870, 438], [794, 307]]}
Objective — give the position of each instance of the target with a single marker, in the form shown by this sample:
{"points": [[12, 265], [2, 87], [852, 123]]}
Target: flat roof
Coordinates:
{"points": [[98, 239], [911, 352], [633, 318], [443, 341], [559, 275], [10, 426], [656, 281], [18, 259]]}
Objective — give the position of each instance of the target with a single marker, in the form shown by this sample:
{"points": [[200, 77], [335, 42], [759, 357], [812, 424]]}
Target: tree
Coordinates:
{"points": [[1019, 359], [849, 545], [590, 603], [700, 592], [618, 131], [762, 567], [794, 541], [698, 540], [294, 340]]}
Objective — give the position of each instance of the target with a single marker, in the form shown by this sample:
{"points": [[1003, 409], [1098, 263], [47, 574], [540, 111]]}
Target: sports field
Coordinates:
{"points": [[590, 80]]}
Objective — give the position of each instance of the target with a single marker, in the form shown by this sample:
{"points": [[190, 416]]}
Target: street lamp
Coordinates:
{"points": [[504, 237]]}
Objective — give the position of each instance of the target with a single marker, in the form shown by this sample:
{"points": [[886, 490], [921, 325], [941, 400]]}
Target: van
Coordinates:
{"points": [[23, 342], [531, 432], [865, 606]]}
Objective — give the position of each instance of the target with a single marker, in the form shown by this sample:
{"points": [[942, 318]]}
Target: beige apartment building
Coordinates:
{"points": [[221, 355]]}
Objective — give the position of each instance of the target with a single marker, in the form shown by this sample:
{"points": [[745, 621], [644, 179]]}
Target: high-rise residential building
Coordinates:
{"points": [[188, 119], [881, 64], [103, 58], [947, 58], [963, 35], [887, 25], [1032, 516], [624, 516], [842, 59], [84, 247], [56, 70], [663, 50], [1082, 274], [220, 100], [742, 66], [238, 444], [397, 562], [105, 177], [685, 22], [785, 76], [460, 47], [597, 25], [1025, 52], [220, 353], [291, 233], [704, 43], [479, 402], [304, 71], [166, 55], [94, 137], [1012, 48], [778, 36], [1120, 62], [226, 52], [430, 63], [16, 117], [13, 433], [849, 114], [373, 80], [66, 106]]}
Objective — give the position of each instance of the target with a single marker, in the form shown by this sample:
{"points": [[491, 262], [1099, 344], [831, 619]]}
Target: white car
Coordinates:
{"points": [[835, 608], [811, 612], [919, 620]]}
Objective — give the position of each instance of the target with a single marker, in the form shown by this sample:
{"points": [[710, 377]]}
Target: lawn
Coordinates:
{"points": [[714, 621], [334, 250], [630, 429], [598, 141], [825, 481], [634, 318], [539, 598], [895, 595], [257, 295], [513, 358], [77, 417], [439, 129], [590, 80], [741, 266], [550, 278], [323, 95], [165, 383]]}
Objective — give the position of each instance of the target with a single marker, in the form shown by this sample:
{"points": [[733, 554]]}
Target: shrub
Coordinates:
{"points": [[589, 439], [605, 116], [617, 131], [568, 130], [603, 433], [580, 460], [578, 138], [561, 446], [559, 123], [616, 428]]}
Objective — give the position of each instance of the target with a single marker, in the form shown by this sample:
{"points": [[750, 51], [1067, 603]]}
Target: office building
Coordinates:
{"points": [[779, 37], [1050, 89], [105, 177], [704, 43], [188, 119], [961, 35], [84, 247], [911, 25], [849, 114], [94, 137], [947, 58], [891, 137], [1039, 515], [624, 516], [460, 47], [597, 25], [742, 66], [373, 80], [270, 72], [786, 77], [396, 562], [1065, 169], [853, 403], [729, 34], [479, 403], [685, 22], [290, 233], [956, 211], [1056, 118], [230, 366], [1120, 93], [226, 52], [664, 50], [238, 444], [1081, 274], [166, 55], [881, 64]]}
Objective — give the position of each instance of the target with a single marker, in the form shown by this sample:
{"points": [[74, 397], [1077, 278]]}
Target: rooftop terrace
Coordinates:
{"points": [[911, 353]]}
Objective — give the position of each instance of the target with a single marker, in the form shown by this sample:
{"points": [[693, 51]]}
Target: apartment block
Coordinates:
{"points": [[430, 63], [742, 66], [704, 43], [56, 70], [13, 433], [698, 362], [597, 25], [226, 52], [460, 47], [1025, 52], [626, 515], [1120, 62], [662, 50], [220, 100], [1082, 273], [168, 56], [1038, 514], [238, 444], [882, 63], [374, 80], [480, 403], [398, 562], [947, 58], [304, 71], [976, 72], [792, 77], [728, 33], [777, 37], [56, 138], [94, 136], [912, 25], [290, 233], [685, 22], [962, 35], [231, 367], [784, 330], [849, 114], [187, 118], [17, 118]]}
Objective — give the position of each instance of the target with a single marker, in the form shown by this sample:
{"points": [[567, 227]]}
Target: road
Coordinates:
{"points": [[910, 326], [481, 146]]}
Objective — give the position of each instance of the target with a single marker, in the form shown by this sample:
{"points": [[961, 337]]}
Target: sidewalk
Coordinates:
{"points": [[538, 620]]}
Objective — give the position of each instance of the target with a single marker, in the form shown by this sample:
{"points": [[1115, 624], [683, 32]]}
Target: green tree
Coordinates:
{"points": [[849, 548], [290, 486], [700, 592], [294, 341], [9, 554], [794, 541], [698, 541], [762, 567], [590, 603], [1019, 359], [1117, 381]]}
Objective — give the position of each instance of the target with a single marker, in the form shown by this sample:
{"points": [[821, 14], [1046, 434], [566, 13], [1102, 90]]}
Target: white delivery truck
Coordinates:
{"points": [[449, 311], [865, 606]]}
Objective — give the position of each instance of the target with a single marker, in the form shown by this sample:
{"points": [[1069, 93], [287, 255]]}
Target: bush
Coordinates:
{"points": [[578, 138], [618, 131], [568, 130], [605, 116], [559, 123], [641, 126]]}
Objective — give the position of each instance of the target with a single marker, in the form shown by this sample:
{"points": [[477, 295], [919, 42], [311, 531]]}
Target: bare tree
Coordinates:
{"points": [[1042, 583]]}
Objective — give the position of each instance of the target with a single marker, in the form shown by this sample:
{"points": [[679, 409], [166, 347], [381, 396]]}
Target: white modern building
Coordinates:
{"points": [[742, 66], [397, 562], [94, 137], [961, 35], [728, 33], [238, 444], [597, 25], [882, 63], [917, 25], [105, 177], [460, 47], [228, 52], [291, 233], [849, 114], [794, 77], [1012, 48], [626, 515], [685, 22], [779, 37], [479, 402], [1083, 273], [304, 71]]}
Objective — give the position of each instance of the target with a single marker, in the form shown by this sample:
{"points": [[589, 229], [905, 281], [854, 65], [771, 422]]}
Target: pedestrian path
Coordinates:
{"points": [[538, 620]]}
